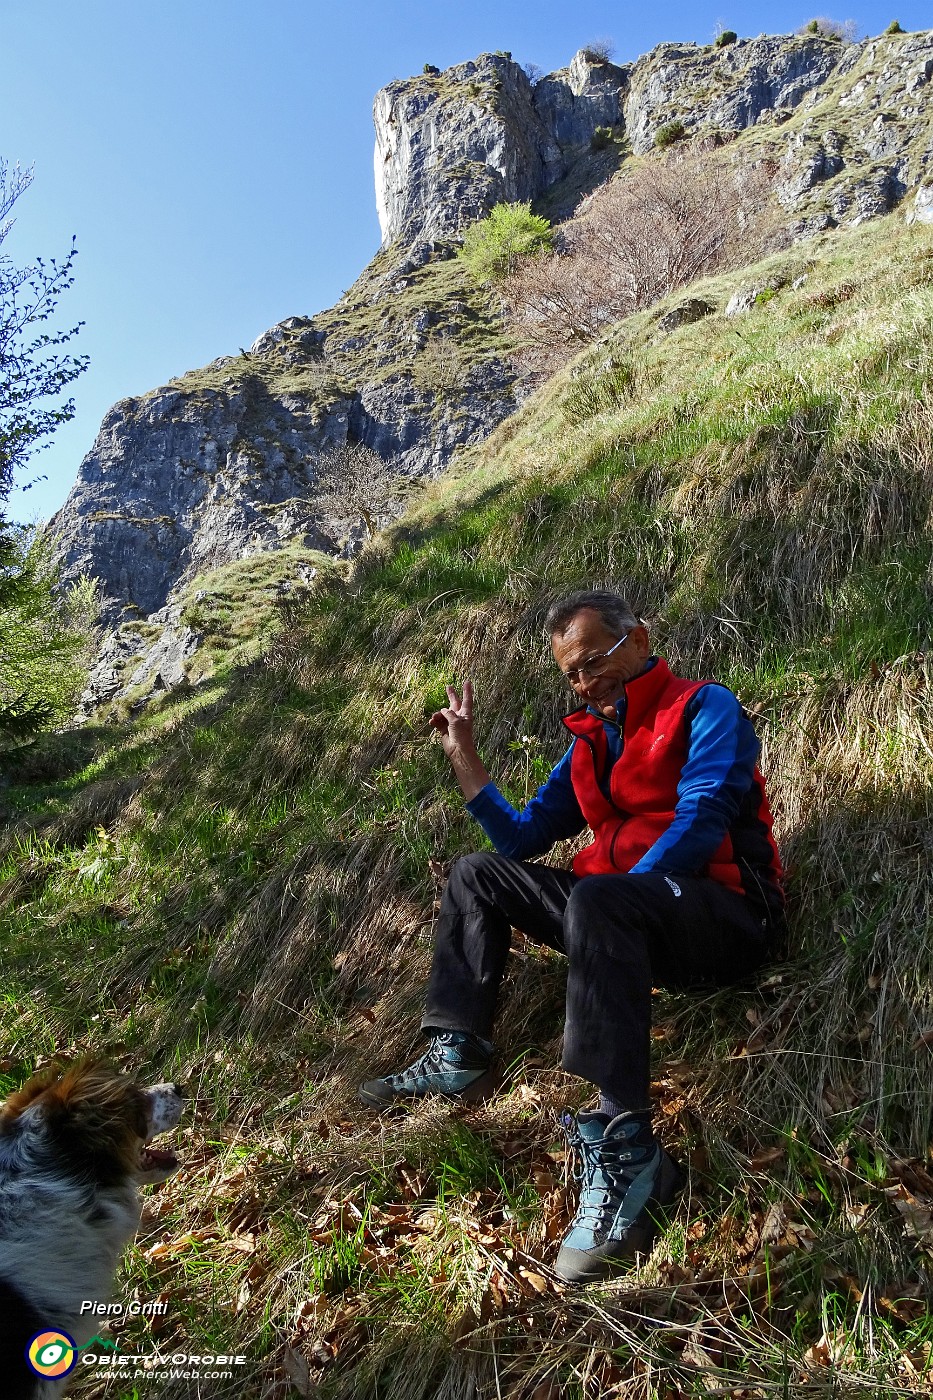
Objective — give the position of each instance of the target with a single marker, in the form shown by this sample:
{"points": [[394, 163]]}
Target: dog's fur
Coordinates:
{"points": [[73, 1151]]}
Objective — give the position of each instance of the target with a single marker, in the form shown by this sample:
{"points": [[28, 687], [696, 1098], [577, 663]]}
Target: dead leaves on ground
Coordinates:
{"points": [[191, 1241], [912, 1197], [749, 1261]]}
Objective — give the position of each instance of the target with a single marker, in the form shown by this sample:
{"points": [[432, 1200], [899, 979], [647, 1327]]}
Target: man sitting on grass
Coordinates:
{"points": [[680, 886]]}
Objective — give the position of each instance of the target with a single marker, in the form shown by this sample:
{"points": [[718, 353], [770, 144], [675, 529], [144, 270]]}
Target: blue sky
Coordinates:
{"points": [[214, 157]]}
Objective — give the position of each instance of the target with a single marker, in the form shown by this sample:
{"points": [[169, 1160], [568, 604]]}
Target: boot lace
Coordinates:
{"points": [[605, 1170], [442, 1055]]}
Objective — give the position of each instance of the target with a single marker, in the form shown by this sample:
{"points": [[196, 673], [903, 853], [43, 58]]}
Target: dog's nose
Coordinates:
{"points": [[179, 1090]]}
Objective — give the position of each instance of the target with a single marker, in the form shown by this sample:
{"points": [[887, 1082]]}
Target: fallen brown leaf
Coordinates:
{"points": [[914, 1176], [917, 1213], [699, 1158], [414, 1183], [799, 1234], [295, 1366], [245, 1244], [537, 1281], [765, 1157], [513, 1147], [159, 1321]]}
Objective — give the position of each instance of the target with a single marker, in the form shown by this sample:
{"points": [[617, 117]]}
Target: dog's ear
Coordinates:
{"points": [[98, 1120], [33, 1089]]}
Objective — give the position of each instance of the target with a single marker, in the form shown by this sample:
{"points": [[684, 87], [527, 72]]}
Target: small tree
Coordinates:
{"points": [[34, 372], [845, 30], [599, 50], [493, 247], [46, 633], [673, 218], [727, 37], [33, 369], [353, 483]]}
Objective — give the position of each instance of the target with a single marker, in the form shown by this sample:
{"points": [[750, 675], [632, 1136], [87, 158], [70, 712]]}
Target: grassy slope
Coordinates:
{"points": [[237, 890]]}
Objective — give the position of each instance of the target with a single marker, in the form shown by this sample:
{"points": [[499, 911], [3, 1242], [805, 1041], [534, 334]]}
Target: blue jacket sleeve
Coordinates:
{"points": [[552, 815], [722, 750]]}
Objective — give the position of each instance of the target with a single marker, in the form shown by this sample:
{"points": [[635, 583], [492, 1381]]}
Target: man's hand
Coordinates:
{"points": [[454, 726], [454, 723]]}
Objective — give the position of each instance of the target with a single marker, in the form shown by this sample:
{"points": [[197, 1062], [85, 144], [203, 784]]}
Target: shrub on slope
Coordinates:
{"points": [[657, 226]]}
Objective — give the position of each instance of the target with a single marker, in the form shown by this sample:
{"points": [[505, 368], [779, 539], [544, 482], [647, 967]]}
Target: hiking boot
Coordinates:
{"points": [[456, 1064], [625, 1178]]}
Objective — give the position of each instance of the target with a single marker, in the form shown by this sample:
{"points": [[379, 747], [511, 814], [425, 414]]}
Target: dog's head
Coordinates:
{"points": [[93, 1123]]}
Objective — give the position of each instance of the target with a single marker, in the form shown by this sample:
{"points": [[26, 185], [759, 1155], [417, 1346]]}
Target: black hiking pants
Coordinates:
{"points": [[622, 934]]}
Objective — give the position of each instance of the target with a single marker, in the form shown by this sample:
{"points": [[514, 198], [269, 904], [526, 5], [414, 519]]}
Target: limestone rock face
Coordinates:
{"points": [[576, 100], [141, 660], [451, 145], [866, 136], [176, 483], [723, 89], [684, 314], [922, 210], [849, 125], [219, 465]]}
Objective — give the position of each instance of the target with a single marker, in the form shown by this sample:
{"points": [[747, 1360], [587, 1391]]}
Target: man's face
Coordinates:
{"points": [[587, 637]]}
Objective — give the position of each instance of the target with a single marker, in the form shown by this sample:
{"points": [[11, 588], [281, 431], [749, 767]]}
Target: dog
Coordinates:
{"points": [[74, 1150]]}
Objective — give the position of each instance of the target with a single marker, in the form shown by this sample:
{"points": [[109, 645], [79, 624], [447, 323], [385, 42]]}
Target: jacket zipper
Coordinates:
{"points": [[612, 843]]}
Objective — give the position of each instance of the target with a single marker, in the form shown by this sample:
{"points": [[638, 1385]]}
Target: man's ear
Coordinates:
{"points": [[639, 635]]}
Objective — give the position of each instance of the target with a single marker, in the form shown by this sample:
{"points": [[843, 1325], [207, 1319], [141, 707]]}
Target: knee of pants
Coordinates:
{"points": [[602, 909], [466, 871]]}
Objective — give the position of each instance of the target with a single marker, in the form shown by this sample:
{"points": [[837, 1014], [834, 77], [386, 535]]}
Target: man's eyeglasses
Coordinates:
{"points": [[595, 666]]}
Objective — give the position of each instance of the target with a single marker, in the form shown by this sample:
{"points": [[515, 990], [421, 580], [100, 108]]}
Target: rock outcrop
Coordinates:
{"points": [[181, 482], [451, 145], [724, 90], [849, 124], [865, 138], [220, 464]]}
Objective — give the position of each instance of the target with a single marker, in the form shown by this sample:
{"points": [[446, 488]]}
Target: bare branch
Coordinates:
{"points": [[674, 218], [353, 483]]}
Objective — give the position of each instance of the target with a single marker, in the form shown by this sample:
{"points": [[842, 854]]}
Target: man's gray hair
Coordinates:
{"points": [[616, 612]]}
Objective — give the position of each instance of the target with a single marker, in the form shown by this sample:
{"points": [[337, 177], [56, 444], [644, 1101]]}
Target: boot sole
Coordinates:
{"points": [[480, 1090]]}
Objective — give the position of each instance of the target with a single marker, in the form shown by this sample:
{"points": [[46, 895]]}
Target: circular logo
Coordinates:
{"points": [[52, 1354]]}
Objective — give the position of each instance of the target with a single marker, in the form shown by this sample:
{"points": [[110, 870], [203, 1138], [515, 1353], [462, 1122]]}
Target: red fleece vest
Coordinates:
{"points": [[630, 803]]}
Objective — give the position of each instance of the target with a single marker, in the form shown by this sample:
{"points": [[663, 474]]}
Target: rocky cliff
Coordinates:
{"points": [[219, 466], [451, 145], [857, 116]]}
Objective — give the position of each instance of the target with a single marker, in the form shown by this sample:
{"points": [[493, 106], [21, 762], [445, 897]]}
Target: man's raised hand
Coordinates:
{"points": [[454, 723]]}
